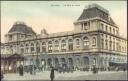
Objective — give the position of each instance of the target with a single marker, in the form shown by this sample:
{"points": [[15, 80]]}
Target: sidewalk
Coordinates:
{"points": [[46, 75]]}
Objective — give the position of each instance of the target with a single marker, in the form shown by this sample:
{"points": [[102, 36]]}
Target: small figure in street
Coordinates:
{"points": [[21, 70], [2, 74], [52, 76], [94, 69], [124, 69], [30, 69]]}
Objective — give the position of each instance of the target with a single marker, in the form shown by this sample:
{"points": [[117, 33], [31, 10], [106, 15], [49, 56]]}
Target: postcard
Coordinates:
{"points": [[63, 40]]}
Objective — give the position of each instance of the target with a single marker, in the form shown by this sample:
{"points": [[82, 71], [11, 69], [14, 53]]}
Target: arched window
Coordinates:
{"points": [[63, 60], [22, 48], [43, 47], [56, 62], [86, 60], [94, 61], [50, 46], [86, 42], [110, 43], [77, 43], [56, 46], [63, 45], [49, 62], [32, 47], [94, 41], [26, 48], [78, 61], [85, 25], [114, 46], [102, 41], [70, 60], [38, 47], [106, 42], [70, 43]]}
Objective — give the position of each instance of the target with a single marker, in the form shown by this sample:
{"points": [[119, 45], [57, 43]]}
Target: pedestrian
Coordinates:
{"points": [[52, 76], [31, 69], [94, 69], [21, 70], [124, 69], [2, 74]]}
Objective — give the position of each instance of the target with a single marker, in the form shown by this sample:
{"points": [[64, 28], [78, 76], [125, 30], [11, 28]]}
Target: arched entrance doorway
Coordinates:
{"points": [[13, 63], [63, 62], [43, 64], [78, 64], [49, 62], [56, 62], [70, 62], [86, 61], [86, 64]]}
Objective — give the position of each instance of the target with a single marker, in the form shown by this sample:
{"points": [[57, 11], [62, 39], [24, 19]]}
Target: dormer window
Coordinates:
{"points": [[85, 25], [10, 37]]}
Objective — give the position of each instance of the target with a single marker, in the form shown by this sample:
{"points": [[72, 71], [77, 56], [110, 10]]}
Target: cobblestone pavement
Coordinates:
{"points": [[77, 75]]}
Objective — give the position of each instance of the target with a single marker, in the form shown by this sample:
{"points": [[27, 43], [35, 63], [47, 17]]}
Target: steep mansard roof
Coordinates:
{"points": [[95, 11], [22, 28]]}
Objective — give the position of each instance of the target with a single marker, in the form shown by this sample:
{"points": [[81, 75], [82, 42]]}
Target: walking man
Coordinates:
{"points": [[52, 74], [21, 70]]}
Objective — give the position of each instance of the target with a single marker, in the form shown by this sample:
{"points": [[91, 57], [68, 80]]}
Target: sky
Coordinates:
{"points": [[55, 16]]}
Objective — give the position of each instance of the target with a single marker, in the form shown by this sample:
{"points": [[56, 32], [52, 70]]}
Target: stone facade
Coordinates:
{"points": [[95, 40]]}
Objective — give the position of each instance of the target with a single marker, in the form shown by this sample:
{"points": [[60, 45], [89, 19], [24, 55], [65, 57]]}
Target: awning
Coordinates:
{"points": [[16, 57], [117, 63]]}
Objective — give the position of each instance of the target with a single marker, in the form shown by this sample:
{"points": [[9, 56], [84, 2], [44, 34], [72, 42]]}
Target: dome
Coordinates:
{"points": [[21, 27], [44, 31]]}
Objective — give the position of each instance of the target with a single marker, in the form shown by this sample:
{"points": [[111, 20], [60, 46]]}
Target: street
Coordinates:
{"points": [[100, 76], [77, 75]]}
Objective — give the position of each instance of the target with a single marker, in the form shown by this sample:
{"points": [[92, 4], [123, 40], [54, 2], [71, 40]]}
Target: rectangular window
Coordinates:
{"points": [[117, 32], [32, 49], [63, 47], [106, 44], [113, 31], [117, 46], [110, 45], [56, 48], [114, 46], [110, 30], [102, 40], [27, 49], [71, 47], [38, 49], [82, 26], [102, 26], [10, 37], [43, 49], [50, 49], [22, 50], [106, 28], [77, 43], [86, 26]]}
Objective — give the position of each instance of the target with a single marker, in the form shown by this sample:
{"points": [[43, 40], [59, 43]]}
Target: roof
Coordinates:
{"points": [[44, 31], [14, 56], [96, 11], [22, 28]]}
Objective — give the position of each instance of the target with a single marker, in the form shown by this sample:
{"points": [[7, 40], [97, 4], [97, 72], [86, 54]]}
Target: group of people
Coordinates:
{"points": [[94, 70]]}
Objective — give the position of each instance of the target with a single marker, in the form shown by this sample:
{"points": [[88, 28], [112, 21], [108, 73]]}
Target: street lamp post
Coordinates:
{"points": [[43, 65], [37, 58]]}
